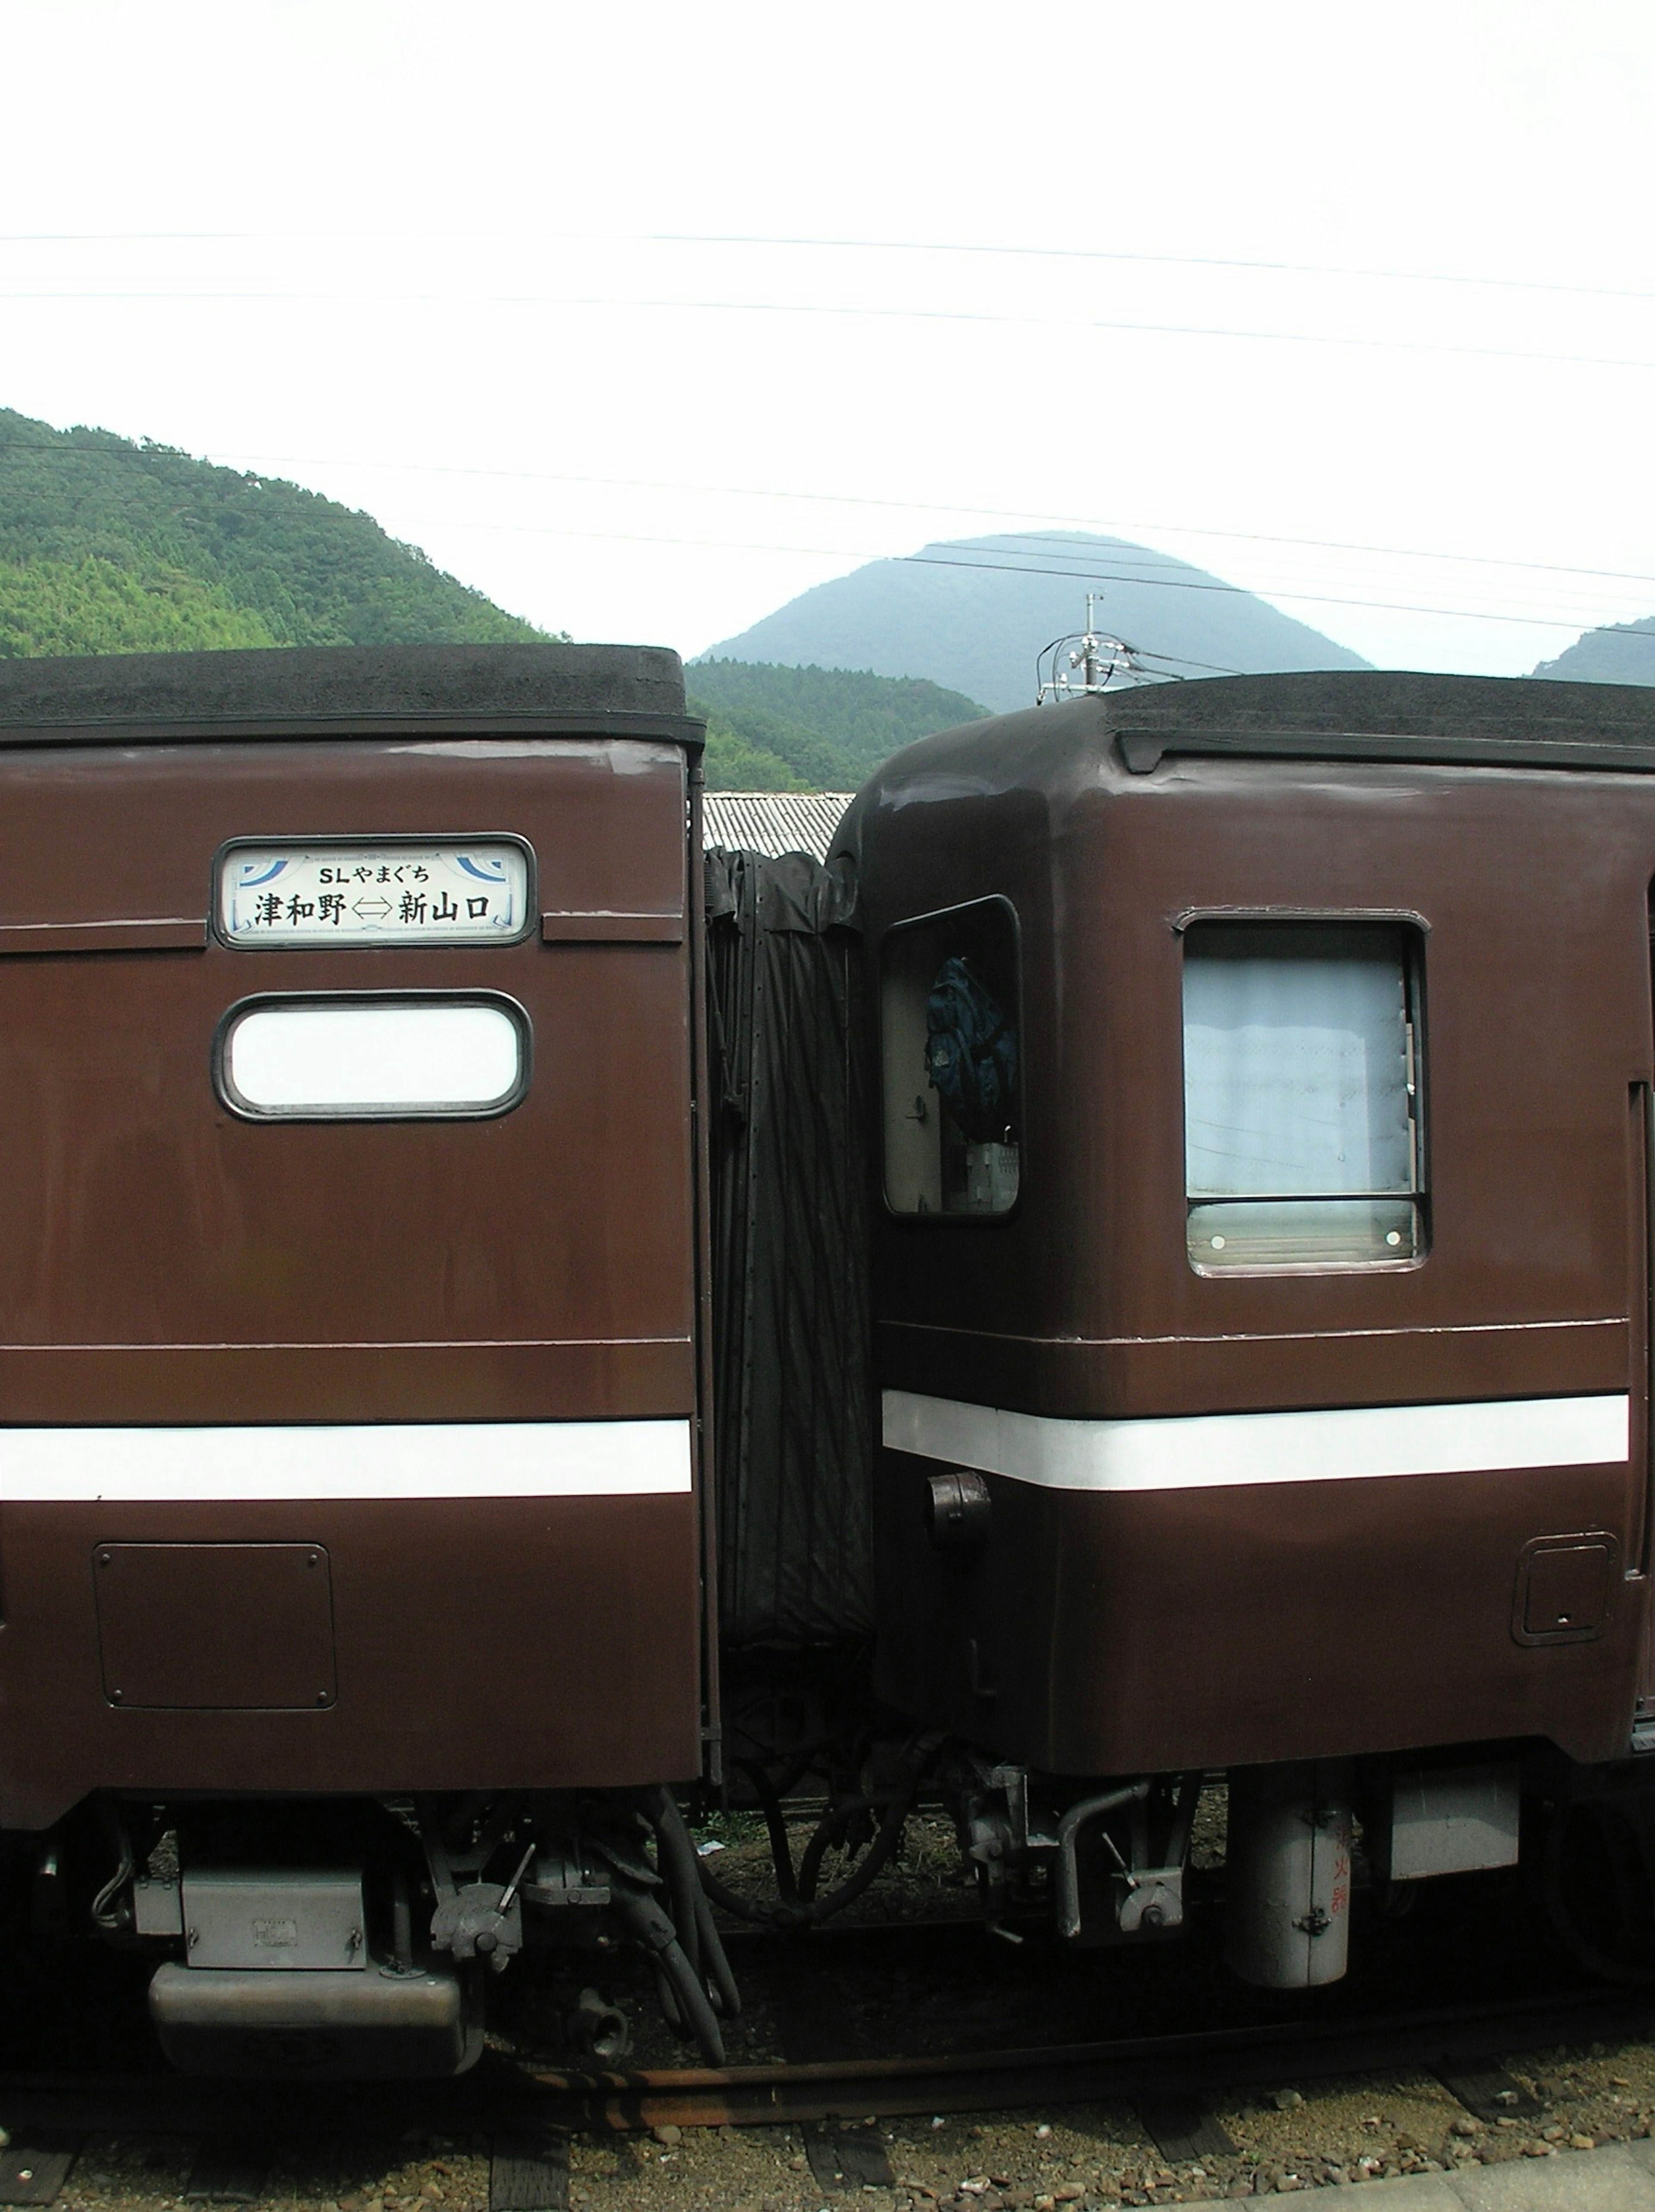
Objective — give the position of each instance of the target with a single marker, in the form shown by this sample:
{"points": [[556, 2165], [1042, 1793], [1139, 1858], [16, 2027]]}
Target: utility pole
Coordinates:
{"points": [[1089, 645], [1079, 665]]}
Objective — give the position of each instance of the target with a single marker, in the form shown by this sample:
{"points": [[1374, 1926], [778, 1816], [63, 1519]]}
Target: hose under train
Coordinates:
{"points": [[649, 1926], [806, 1909], [695, 1972]]}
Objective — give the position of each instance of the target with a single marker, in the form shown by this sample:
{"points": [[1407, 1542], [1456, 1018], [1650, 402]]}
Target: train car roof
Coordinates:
{"points": [[434, 690], [1498, 720], [1379, 715]]}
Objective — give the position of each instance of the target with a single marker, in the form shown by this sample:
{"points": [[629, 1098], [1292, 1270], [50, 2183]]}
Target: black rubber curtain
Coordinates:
{"points": [[793, 1412]]}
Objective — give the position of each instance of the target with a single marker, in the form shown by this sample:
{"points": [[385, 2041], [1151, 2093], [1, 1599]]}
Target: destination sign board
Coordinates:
{"points": [[368, 894]]}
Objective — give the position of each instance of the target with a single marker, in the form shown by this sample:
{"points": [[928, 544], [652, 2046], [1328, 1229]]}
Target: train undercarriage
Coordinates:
{"points": [[360, 1938]]}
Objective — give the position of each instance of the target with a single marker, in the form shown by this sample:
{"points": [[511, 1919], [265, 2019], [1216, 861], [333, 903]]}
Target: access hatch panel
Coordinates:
{"points": [[215, 1627]]}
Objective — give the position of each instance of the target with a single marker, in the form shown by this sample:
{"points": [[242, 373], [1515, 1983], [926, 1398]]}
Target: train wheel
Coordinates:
{"points": [[1596, 1889]]}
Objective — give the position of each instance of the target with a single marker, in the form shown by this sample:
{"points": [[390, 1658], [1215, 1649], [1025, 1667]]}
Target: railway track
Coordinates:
{"points": [[982, 2035], [1460, 2043]]}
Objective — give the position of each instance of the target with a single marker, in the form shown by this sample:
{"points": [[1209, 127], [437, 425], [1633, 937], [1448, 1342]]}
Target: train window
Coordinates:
{"points": [[1302, 1128], [373, 1055], [952, 1063]]}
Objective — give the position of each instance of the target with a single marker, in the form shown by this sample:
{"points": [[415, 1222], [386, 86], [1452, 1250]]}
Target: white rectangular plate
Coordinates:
{"points": [[391, 894]]}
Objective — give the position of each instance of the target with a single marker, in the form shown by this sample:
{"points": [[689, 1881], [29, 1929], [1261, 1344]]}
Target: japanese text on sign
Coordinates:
{"points": [[378, 895]]}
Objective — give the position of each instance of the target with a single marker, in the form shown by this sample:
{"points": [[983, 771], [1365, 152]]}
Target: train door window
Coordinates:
{"points": [[1302, 1109], [951, 1058]]}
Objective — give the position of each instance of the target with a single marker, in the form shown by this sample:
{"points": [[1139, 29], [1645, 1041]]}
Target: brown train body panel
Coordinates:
{"points": [[475, 1644], [1194, 1623], [168, 1266], [1254, 1371], [646, 1379], [171, 1270], [1231, 1627]]}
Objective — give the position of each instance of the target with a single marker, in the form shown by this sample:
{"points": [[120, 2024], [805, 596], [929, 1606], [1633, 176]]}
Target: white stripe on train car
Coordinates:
{"points": [[389, 1459], [1213, 1450]]}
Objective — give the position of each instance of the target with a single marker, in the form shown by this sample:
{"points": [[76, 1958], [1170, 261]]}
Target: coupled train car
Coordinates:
{"points": [[351, 1479], [1137, 1272], [1265, 1345]]}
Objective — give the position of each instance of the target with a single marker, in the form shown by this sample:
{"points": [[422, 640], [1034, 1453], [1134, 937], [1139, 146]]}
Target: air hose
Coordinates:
{"points": [[644, 1920], [811, 1910]]}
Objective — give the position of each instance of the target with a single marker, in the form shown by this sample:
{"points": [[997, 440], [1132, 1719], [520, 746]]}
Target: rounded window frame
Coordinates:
{"points": [[235, 1102]]}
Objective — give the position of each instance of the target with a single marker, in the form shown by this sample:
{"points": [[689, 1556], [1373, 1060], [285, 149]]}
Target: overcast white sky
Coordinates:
{"points": [[643, 319]]}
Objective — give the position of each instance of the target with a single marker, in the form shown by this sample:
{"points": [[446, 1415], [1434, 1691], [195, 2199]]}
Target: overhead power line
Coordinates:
{"points": [[357, 297], [951, 248], [1120, 256], [131, 237], [1029, 525], [1077, 574], [1082, 567], [1020, 515], [1307, 599]]}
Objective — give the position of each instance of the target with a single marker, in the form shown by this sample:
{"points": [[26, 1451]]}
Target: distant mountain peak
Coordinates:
{"points": [[972, 614]]}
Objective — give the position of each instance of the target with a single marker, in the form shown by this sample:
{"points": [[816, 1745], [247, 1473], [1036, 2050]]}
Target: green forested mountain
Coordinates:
{"points": [[97, 605], [810, 729], [112, 546], [108, 546]]}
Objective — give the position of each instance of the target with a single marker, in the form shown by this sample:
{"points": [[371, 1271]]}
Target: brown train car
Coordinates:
{"points": [[1262, 1287], [1218, 1119], [352, 1271]]}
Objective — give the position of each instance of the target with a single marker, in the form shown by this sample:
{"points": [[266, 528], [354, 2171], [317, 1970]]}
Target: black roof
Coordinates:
{"points": [[1505, 721], [1385, 716], [616, 690]]}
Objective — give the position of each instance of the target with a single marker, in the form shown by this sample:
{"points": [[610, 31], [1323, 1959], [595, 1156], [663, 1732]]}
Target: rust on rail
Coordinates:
{"points": [[749, 2096], [502, 2093]]}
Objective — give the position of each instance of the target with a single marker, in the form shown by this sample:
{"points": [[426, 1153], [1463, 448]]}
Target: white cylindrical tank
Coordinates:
{"points": [[1288, 1884]]}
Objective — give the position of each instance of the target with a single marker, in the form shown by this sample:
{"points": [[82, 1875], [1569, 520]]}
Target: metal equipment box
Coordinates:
{"points": [[236, 1918]]}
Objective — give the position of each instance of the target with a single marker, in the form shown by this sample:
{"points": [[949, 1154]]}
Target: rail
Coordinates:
{"points": [[504, 2095]]}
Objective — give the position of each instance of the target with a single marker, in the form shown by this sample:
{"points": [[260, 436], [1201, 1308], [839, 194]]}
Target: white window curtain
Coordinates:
{"points": [[1296, 1090]]}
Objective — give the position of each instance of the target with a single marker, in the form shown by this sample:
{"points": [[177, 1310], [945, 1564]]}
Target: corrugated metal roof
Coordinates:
{"points": [[773, 822]]}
